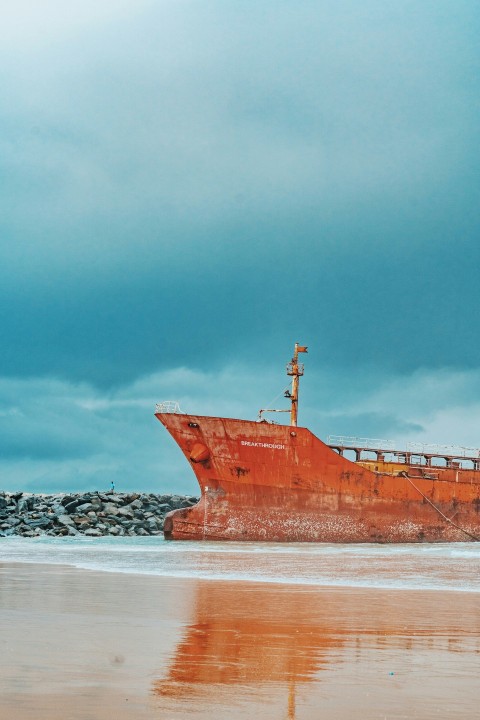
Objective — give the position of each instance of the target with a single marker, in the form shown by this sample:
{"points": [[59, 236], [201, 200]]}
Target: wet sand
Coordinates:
{"points": [[91, 646]]}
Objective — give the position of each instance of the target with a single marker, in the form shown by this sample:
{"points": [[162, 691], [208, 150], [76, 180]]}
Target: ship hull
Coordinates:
{"points": [[268, 482]]}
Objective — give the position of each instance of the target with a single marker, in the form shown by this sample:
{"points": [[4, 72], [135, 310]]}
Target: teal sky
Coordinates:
{"points": [[187, 188]]}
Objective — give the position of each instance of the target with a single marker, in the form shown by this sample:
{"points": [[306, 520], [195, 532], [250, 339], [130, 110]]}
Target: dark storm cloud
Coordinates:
{"points": [[188, 188], [43, 420], [186, 172]]}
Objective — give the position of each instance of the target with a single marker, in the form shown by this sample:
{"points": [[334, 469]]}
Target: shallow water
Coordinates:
{"points": [[183, 630], [448, 566]]}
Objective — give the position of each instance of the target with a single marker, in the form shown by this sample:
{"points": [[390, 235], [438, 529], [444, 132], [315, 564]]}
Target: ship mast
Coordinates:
{"points": [[295, 369]]}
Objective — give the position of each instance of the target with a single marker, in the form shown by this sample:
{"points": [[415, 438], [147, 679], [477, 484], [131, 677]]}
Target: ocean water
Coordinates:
{"points": [[448, 566]]}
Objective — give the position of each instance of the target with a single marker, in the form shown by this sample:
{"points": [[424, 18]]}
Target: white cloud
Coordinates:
{"points": [[438, 407], [195, 116]]}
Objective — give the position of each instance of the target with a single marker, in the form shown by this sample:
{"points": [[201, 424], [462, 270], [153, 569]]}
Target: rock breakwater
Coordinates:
{"points": [[93, 513]]}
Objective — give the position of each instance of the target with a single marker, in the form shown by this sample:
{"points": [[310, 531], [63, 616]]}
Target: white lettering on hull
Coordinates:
{"points": [[272, 446]]}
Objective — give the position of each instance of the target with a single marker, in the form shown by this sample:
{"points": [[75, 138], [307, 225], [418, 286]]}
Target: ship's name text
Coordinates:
{"points": [[248, 443]]}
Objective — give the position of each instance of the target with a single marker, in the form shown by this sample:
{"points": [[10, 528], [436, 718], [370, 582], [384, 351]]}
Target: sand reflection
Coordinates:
{"points": [[96, 646], [268, 644], [249, 635]]}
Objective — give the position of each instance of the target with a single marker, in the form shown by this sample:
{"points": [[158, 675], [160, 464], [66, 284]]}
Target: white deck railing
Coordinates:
{"points": [[356, 442], [168, 406], [448, 450], [414, 448]]}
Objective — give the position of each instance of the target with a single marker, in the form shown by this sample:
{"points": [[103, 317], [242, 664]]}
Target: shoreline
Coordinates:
{"points": [[420, 568], [91, 644], [268, 582]]}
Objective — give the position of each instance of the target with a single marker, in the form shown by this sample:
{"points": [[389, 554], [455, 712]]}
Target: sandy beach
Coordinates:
{"points": [[95, 645]]}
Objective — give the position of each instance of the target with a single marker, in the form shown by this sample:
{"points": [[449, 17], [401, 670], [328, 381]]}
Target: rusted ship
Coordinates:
{"points": [[265, 481]]}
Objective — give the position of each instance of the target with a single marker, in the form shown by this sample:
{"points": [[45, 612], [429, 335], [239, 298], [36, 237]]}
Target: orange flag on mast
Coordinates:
{"points": [[302, 348]]}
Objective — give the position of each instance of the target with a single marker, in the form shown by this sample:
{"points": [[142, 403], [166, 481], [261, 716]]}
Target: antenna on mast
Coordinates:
{"points": [[295, 369]]}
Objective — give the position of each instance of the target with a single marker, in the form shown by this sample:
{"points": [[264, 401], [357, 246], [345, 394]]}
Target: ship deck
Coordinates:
{"points": [[416, 454]]}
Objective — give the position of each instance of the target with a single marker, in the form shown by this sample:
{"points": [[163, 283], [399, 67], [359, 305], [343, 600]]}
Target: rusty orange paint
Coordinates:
{"points": [[281, 483], [199, 453]]}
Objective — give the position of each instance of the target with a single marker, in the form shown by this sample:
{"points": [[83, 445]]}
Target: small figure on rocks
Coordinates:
{"points": [[112, 486]]}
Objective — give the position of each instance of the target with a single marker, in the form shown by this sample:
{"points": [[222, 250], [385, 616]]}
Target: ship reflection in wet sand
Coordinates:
{"points": [[300, 652]]}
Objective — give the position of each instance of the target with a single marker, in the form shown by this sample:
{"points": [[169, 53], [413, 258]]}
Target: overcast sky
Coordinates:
{"points": [[190, 187]]}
